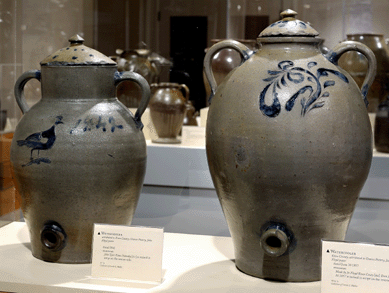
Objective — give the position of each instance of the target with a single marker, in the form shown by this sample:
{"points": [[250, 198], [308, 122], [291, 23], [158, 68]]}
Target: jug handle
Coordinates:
{"points": [[19, 88], [244, 51], [144, 85], [186, 90], [334, 55]]}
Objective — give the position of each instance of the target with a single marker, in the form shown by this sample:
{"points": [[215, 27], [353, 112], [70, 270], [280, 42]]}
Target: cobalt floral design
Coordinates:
{"points": [[90, 123], [283, 23], [311, 92]]}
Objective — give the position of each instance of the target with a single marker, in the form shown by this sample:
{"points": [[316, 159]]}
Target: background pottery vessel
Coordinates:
{"points": [[3, 119], [79, 155], [289, 147], [167, 110], [224, 61], [381, 127], [356, 64], [137, 61], [191, 114], [148, 64]]}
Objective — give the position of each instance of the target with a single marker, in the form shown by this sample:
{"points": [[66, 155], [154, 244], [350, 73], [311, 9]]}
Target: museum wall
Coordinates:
{"points": [[335, 19], [31, 29]]}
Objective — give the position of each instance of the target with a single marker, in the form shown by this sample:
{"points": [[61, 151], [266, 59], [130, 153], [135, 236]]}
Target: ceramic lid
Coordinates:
{"points": [[289, 26], [77, 54]]}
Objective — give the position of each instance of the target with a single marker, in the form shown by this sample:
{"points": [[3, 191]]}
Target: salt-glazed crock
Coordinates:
{"points": [[191, 115], [168, 109], [289, 147], [79, 155]]}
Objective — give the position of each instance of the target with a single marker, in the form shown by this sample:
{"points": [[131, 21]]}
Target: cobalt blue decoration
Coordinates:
{"points": [[43, 140], [310, 83], [79, 155], [288, 142]]}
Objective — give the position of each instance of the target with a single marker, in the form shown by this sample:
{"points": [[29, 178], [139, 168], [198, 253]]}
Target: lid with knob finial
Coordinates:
{"points": [[76, 54], [289, 26]]}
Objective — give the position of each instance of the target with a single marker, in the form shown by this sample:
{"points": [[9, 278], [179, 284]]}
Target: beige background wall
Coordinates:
{"points": [[10, 56], [32, 29]]}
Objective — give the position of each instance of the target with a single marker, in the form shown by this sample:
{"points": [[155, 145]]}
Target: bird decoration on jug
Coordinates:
{"points": [[39, 141]]}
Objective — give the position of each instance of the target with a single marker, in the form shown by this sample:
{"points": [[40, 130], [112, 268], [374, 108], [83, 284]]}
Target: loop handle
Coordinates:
{"points": [[19, 88], [343, 47], [186, 90], [145, 88], [244, 51]]}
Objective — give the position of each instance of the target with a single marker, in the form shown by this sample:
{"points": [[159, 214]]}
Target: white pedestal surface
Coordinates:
{"points": [[191, 263]]}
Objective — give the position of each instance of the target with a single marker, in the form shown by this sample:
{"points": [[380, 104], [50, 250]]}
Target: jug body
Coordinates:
{"points": [[289, 147], [79, 157]]}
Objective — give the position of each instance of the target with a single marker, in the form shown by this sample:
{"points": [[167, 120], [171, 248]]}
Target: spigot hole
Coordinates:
{"points": [[274, 242], [50, 239], [53, 236]]}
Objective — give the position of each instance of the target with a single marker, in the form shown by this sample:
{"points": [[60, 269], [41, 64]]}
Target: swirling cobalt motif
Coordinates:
{"points": [[310, 91], [283, 23]]}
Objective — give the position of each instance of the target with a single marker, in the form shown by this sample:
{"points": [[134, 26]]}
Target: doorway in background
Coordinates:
{"points": [[254, 25], [188, 41]]}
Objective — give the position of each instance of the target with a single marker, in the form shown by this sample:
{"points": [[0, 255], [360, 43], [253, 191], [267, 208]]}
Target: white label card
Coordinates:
{"points": [[124, 252], [354, 267]]}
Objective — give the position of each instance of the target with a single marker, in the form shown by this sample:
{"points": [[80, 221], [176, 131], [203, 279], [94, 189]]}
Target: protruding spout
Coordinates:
{"points": [[53, 236], [275, 240]]}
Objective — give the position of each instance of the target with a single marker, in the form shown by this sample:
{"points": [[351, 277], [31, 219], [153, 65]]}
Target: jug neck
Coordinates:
{"points": [[293, 47], [166, 85], [78, 82]]}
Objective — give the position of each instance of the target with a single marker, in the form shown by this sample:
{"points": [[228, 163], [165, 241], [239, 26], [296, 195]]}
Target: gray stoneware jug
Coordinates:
{"points": [[79, 155], [289, 147]]}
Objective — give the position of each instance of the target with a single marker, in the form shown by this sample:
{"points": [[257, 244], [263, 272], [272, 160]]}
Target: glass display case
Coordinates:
{"points": [[170, 38]]}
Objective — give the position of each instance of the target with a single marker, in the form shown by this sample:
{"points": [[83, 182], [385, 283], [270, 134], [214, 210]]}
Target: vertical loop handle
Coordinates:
{"points": [[186, 90], [145, 88], [334, 55], [19, 88], [244, 51]]}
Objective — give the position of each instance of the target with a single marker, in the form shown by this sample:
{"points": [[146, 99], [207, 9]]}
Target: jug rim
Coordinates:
{"points": [[287, 39], [165, 85]]}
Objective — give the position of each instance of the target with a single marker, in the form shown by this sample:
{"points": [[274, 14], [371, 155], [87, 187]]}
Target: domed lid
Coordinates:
{"points": [[77, 54], [289, 26]]}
